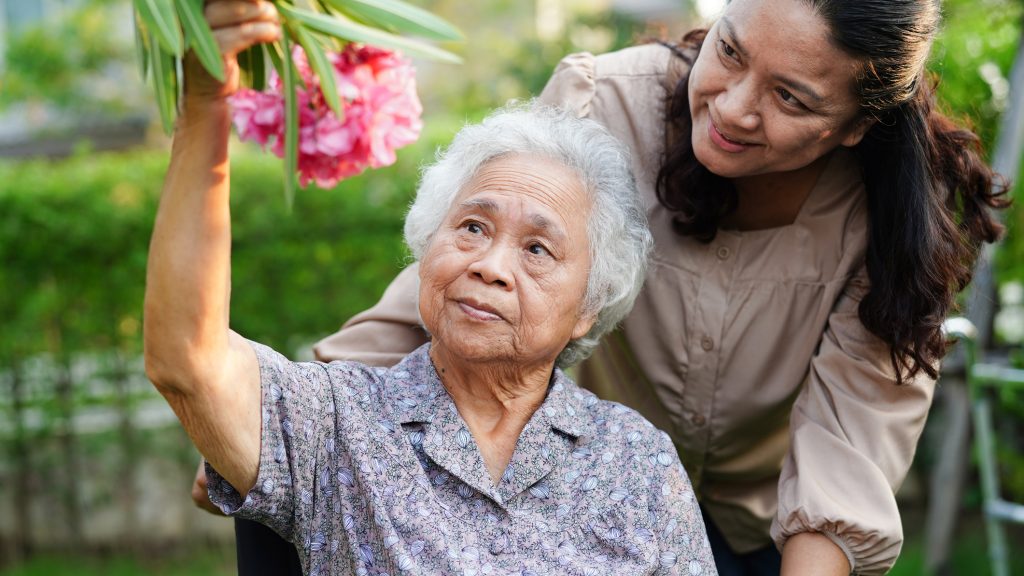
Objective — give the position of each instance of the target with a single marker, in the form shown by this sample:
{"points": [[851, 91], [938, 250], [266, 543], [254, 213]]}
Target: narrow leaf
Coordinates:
{"points": [[252, 64], [273, 51], [162, 22], [291, 122], [161, 65], [399, 16], [200, 37], [341, 27], [141, 46], [258, 61], [322, 67]]}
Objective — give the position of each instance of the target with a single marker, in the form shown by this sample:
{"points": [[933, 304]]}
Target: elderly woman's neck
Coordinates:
{"points": [[495, 400], [493, 388]]}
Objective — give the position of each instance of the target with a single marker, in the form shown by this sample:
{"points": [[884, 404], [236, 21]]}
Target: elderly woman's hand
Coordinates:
{"points": [[200, 494], [237, 25]]}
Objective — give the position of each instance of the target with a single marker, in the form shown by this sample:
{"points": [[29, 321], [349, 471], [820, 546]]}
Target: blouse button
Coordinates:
{"points": [[698, 420], [723, 253], [707, 343]]}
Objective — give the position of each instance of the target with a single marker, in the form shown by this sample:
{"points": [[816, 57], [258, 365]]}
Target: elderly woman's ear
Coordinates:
{"points": [[584, 325]]}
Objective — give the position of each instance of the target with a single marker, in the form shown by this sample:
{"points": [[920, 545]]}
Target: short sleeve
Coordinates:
{"points": [[572, 84], [297, 414], [853, 436], [683, 546]]}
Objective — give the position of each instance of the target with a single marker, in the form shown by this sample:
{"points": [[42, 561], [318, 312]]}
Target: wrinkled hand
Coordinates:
{"points": [[200, 496], [237, 25]]}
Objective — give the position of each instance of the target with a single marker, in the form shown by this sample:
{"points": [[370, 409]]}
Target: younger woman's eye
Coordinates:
{"points": [[727, 49], [789, 98]]}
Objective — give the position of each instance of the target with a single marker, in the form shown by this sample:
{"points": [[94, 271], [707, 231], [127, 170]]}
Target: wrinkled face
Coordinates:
{"points": [[504, 277], [770, 92]]}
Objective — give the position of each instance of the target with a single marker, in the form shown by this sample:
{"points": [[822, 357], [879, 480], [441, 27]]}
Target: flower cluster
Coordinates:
{"points": [[382, 113]]}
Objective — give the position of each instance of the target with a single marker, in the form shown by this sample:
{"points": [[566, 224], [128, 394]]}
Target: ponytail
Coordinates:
{"points": [[929, 194]]}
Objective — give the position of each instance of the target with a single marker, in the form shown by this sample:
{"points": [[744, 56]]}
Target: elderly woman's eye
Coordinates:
{"points": [[537, 250], [473, 228]]}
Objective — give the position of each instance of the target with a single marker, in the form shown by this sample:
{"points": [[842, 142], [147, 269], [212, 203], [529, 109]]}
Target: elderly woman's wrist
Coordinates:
{"points": [[206, 119], [203, 108]]}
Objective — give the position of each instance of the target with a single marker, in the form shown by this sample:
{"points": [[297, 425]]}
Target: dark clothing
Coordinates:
{"points": [[761, 562], [261, 552]]}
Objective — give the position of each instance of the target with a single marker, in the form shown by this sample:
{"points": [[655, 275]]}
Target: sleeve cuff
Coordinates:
{"points": [[222, 493], [780, 543], [838, 541]]}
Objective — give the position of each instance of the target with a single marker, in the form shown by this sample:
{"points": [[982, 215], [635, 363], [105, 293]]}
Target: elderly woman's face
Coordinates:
{"points": [[505, 275]]}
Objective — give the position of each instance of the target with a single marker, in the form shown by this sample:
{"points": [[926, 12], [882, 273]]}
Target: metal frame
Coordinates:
{"points": [[981, 379]]}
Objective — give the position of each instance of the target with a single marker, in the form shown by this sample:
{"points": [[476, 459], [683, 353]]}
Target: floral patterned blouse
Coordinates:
{"points": [[371, 471]]}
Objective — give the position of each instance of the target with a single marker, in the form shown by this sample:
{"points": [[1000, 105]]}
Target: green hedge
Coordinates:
{"points": [[74, 237]]}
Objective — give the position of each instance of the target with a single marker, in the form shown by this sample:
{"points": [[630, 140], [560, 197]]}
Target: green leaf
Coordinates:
{"points": [[399, 16], [273, 51], [342, 27], [141, 46], [200, 37], [164, 73], [322, 67], [291, 122], [253, 65], [162, 22]]}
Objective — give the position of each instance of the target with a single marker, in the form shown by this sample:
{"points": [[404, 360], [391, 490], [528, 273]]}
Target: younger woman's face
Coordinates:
{"points": [[770, 91]]}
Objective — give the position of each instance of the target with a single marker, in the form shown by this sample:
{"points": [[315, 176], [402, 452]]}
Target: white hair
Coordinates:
{"points": [[620, 242]]}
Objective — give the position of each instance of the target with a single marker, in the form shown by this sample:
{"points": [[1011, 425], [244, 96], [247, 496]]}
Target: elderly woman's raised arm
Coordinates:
{"points": [[208, 374]]}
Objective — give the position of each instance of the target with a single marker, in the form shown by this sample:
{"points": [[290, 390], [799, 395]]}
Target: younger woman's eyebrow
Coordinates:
{"points": [[731, 32], [794, 85], [798, 86]]}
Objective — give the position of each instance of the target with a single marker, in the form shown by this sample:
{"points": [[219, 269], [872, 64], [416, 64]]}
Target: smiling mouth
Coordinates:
{"points": [[479, 310], [725, 142]]}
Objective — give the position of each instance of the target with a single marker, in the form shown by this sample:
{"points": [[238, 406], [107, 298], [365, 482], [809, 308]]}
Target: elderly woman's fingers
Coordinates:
{"points": [[225, 13], [238, 38], [200, 495], [237, 25]]}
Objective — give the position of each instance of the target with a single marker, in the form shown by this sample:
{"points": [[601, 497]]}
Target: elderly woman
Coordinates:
{"points": [[475, 454]]}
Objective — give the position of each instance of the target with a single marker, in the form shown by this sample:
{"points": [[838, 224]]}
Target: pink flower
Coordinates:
{"points": [[382, 113]]}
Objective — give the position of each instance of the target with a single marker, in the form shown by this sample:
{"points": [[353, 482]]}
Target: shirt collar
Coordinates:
{"points": [[414, 393]]}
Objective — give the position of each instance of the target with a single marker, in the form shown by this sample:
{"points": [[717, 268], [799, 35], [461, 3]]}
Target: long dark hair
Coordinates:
{"points": [[929, 191]]}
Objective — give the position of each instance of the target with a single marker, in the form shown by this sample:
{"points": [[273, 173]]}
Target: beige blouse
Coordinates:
{"points": [[748, 351]]}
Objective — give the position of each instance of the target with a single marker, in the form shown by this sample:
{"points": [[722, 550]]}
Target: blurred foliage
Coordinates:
{"points": [[214, 562], [533, 59], [973, 58], [74, 235], [504, 56], [51, 62]]}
